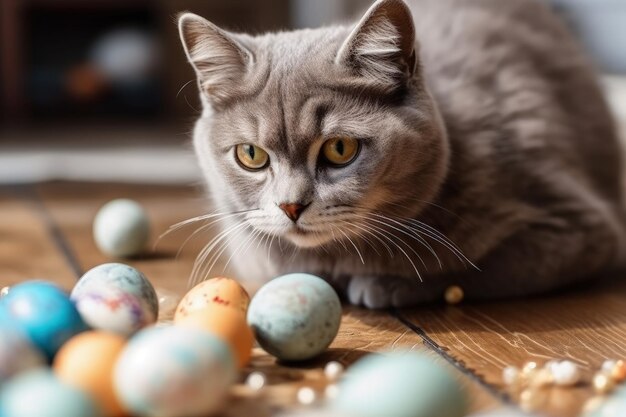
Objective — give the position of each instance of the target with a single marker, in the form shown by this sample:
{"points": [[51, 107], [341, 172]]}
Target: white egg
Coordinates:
{"points": [[121, 228], [174, 372]]}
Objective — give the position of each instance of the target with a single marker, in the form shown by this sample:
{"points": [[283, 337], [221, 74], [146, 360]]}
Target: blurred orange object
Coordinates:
{"points": [[85, 83], [86, 362], [227, 323]]}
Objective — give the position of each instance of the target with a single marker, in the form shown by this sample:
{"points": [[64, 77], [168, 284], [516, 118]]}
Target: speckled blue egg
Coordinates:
{"points": [[17, 353], [117, 298], [44, 313], [613, 406], [295, 317], [173, 372], [38, 394], [121, 228], [400, 384]]}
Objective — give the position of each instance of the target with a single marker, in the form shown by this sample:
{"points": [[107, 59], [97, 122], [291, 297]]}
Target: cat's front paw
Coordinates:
{"points": [[378, 292]]}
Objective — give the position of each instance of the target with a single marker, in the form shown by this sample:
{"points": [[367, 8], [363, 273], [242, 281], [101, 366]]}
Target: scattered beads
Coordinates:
{"points": [[619, 371], [511, 375], [333, 370], [454, 294], [608, 365], [331, 391], [529, 368], [306, 396], [565, 373], [256, 381], [542, 378], [4, 291], [603, 383]]}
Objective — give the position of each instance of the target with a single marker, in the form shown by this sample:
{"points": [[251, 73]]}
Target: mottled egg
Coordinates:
{"points": [[400, 384], [38, 394], [613, 406], [117, 298], [174, 371], [121, 228], [227, 323], [44, 313], [220, 290], [17, 353], [295, 317], [86, 362]]}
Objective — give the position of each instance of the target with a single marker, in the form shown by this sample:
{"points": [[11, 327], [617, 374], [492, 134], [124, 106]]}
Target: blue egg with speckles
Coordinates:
{"points": [[613, 406], [295, 317], [400, 384], [40, 393], [44, 313], [117, 298]]}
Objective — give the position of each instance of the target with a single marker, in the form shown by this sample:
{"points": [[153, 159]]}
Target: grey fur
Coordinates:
{"points": [[496, 137]]}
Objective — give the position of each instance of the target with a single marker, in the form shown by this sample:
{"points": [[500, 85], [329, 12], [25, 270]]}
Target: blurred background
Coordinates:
{"points": [[101, 90]]}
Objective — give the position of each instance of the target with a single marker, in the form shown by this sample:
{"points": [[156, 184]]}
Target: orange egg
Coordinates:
{"points": [[86, 362], [220, 291], [229, 324]]}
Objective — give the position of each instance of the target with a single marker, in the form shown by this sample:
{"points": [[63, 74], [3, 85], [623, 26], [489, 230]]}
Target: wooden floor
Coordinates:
{"points": [[45, 232]]}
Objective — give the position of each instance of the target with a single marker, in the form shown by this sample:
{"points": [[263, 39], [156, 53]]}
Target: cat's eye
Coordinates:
{"points": [[251, 157], [340, 151]]}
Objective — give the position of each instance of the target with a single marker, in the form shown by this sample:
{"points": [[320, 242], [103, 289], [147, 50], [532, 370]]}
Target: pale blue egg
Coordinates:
{"points": [[174, 371], [117, 298], [17, 353], [38, 393], [400, 384], [44, 313], [613, 406], [295, 317], [121, 228]]}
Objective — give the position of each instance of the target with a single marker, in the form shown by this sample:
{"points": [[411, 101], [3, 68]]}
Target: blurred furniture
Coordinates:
{"points": [[46, 45]]}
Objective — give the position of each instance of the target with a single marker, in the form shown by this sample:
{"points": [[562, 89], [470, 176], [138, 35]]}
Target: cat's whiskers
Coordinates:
{"points": [[353, 245], [217, 253]]}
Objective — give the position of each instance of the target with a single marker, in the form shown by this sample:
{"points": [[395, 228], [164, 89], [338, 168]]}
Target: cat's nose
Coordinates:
{"points": [[293, 210]]}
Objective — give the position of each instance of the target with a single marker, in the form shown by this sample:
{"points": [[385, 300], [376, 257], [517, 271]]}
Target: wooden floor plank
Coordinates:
{"points": [[73, 207], [586, 326], [27, 249]]}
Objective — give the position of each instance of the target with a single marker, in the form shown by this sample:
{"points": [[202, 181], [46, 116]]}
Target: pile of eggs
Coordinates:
{"points": [[98, 351]]}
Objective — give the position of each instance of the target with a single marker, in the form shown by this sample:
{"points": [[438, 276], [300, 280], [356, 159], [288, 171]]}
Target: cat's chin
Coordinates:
{"points": [[309, 239]]}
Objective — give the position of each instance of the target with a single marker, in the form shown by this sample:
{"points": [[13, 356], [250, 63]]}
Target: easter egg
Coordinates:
{"points": [[227, 323], [222, 291], [117, 298], [174, 371], [613, 406], [44, 313], [86, 362], [295, 316], [17, 353], [121, 228], [400, 384], [39, 393]]}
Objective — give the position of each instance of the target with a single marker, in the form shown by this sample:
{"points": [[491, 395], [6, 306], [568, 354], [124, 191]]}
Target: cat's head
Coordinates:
{"points": [[316, 130]]}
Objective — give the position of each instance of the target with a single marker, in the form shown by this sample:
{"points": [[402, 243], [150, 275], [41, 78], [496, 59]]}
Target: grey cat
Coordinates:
{"points": [[443, 142]]}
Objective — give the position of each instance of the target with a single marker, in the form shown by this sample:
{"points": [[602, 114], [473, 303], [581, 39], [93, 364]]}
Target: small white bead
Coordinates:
{"points": [[510, 375], [566, 373], [4, 291], [608, 366], [306, 396], [454, 294], [256, 381], [333, 370], [331, 391]]}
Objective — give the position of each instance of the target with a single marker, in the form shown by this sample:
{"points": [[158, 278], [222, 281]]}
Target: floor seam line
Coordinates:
{"points": [[56, 234], [436, 348]]}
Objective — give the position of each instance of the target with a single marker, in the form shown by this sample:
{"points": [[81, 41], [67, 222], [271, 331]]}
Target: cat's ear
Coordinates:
{"points": [[381, 48], [219, 60]]}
